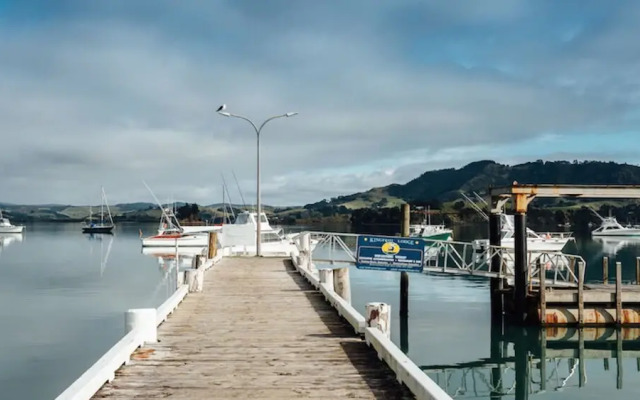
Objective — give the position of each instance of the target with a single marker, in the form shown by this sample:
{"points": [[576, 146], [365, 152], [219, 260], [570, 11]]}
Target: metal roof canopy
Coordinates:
{"points": [[525, 193]]}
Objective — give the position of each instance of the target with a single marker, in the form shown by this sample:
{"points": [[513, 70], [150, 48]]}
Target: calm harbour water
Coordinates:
{"points": [[63, 296]]}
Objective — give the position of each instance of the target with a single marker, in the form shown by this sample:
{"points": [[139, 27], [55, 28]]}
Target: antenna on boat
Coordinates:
{"points": [[224, 207], [595, 212], [241, 196], [164, 213]]}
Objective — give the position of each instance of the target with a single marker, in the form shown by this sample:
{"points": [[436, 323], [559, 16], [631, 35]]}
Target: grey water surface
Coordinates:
{"points": [[63, 295]]}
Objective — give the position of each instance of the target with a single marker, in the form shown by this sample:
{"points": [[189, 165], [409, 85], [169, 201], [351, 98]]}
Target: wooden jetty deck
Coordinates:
{"points": [[257, 331]]}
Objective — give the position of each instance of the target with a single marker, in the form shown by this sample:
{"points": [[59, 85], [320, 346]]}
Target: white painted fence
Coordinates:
{"points": [[407, 372]]}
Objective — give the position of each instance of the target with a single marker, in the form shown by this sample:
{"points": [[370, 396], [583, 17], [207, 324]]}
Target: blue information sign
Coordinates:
{"points": [[390, 254]]}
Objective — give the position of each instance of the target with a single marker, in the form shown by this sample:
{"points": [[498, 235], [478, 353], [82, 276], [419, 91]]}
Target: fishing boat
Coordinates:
{"points": [[536, 242], [171, 234], [609, 226], [101, 224], [7, 227], [426, 230]]}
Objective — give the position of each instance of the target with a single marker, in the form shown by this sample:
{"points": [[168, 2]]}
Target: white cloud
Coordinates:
{"points": [[110, 93]]}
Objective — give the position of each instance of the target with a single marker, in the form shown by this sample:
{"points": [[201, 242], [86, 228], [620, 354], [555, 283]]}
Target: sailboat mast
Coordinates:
{"points": [[102, 207]]}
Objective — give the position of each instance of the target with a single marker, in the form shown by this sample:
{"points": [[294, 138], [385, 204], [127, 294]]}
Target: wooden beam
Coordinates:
{"points": [[592, 191]]}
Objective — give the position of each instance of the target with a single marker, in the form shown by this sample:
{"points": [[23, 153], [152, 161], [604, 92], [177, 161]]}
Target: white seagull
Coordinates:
{"points": [[221, 108]]}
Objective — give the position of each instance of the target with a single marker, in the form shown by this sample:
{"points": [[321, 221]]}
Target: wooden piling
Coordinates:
{"points": [[605, 270], [637, 270], [581, 293], [543, 297], [341, 283], [213, 242], [582, 377], [619, 293], [618, 359]]}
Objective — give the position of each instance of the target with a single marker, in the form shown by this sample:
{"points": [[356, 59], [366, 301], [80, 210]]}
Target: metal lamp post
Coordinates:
{"points": [[258, 130]]}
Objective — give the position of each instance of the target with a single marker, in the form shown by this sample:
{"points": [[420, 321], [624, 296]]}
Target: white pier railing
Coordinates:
{"points": [[143, 324], [330, 282]]}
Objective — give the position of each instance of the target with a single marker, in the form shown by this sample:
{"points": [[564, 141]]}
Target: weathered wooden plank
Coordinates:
{"points": [[256, 331]]}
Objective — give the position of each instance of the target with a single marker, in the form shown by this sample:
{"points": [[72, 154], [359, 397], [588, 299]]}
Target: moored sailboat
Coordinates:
{"points": [[101, 224]]}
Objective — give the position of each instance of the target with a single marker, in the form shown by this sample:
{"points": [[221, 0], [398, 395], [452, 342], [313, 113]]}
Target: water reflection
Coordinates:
{"points": [[172, 262], [103, 251], [526, 361], [8, 239], [612, 245]]}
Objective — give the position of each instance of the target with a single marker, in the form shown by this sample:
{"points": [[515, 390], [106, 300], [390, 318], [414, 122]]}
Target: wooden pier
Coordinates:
{"points": [[258, 330]]}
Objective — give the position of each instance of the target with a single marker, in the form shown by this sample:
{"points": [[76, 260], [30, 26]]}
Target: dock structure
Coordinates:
{"points": [[257, 330]]}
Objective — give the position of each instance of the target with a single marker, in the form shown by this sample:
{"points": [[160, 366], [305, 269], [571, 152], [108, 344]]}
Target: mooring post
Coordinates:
{"points": [[637, 270], [143, 320], [212, 247], [542, 292], [404, 276], [619, 358], [619, 293], [341, 283], [543, 359], [580, 294], [605, 270], [582, 377], [326, 277], [379, 316], [520, 267]]}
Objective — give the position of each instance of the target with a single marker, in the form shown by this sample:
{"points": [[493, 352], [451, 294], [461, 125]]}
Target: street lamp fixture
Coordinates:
{"points": [[221, 111]]}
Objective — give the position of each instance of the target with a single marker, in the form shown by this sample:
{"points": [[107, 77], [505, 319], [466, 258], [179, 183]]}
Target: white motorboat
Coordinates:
{"points": [[240, 237], [7, 227], [536, 242], [610, 226], [171, 234], [543, 242]]}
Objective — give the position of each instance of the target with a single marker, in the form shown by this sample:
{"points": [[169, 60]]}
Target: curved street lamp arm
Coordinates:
{"points": [[269, 119], [248, 120]]}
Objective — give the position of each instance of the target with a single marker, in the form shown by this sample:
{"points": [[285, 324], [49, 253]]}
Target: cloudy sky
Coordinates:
{"points": [[113, 92]]}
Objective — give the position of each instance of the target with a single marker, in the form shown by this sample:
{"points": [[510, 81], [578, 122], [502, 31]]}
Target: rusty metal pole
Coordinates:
{"points": [[520, 267], [404, 276]]}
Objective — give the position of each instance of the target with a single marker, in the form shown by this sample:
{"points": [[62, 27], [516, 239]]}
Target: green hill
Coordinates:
{"points": [[446, 184]]}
